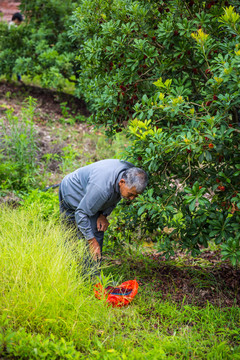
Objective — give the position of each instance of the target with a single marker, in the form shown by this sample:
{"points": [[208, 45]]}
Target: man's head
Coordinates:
{"points": [[132, 183], [17, 18]]}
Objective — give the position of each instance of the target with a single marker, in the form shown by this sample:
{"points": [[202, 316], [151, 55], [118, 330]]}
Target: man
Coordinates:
{"points": [[88, 195], [17, 19]]}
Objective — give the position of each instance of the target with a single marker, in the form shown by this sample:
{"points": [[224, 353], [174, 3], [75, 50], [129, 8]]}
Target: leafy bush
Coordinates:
{"points": [[128, 45], [191, 148], [39, 46]]}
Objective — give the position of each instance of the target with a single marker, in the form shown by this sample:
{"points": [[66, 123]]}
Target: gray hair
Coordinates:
{"points": [[135, 177]]}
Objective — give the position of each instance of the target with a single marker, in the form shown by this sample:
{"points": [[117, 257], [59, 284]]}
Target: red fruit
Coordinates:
{"points": [[189, 151], [208, 103], [208, 6], [217, 181], [119, 65], [139, 72], [144, 66], [111, 63], [176, 33], [215, 97], [200, 26], [179, 56], [206, 138], [161, 10], [167, 10], [207, 71], [189, 52], [195, 70], [200, 187], [139, 158], [221, 188], [154, 38], [145, 56], [145, 35], [220, 159], [123, 93], [118, 130], [230, 125], [211, 146]]}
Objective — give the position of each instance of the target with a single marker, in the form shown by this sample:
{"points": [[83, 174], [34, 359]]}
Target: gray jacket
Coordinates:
{"points": [[91, 189]]}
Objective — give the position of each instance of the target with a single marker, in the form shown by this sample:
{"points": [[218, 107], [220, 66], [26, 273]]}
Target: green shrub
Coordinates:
{"points": [[128, 45], [191, 149]]}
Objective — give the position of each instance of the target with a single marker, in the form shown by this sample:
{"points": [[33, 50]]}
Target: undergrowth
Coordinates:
{"points": [[49, 306]]}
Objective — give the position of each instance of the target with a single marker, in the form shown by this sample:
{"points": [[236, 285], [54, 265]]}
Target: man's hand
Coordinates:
{"points": [[94, 248], [102, 223]]}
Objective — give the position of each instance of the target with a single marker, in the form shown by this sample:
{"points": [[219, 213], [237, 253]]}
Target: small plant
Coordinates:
{"points": [[67, 158], [18, 146]]}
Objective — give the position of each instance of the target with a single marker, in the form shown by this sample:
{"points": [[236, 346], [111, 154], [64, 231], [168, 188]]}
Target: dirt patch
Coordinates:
{"points": [[196, 281], [49, 102]]}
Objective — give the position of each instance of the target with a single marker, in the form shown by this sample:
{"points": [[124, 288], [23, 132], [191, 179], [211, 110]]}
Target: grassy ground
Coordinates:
{"points": [[42, 291], [185, 309]]}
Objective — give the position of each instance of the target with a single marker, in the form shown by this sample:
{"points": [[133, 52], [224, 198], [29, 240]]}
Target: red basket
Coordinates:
{"points": [[118, 296]]}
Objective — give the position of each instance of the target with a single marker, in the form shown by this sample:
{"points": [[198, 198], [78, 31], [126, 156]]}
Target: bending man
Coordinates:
{"points": [[89, 194]]}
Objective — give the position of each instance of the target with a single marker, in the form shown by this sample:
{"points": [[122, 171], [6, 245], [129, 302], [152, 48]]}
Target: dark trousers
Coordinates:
{"points": [[68, 216]]}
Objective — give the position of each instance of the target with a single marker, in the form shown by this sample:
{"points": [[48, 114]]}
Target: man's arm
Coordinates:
{"points": [[90, 204], [95, 249]]}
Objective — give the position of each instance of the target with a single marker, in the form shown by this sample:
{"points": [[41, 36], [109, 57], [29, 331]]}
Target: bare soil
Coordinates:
{"points": [[184, 279]]}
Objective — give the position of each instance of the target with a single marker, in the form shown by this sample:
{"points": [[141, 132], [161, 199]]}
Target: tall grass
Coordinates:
{"points": [[41, 289], [43, 292]]}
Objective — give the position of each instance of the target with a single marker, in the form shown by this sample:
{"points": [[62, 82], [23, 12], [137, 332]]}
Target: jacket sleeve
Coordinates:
{"points": [[90, 204]]}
